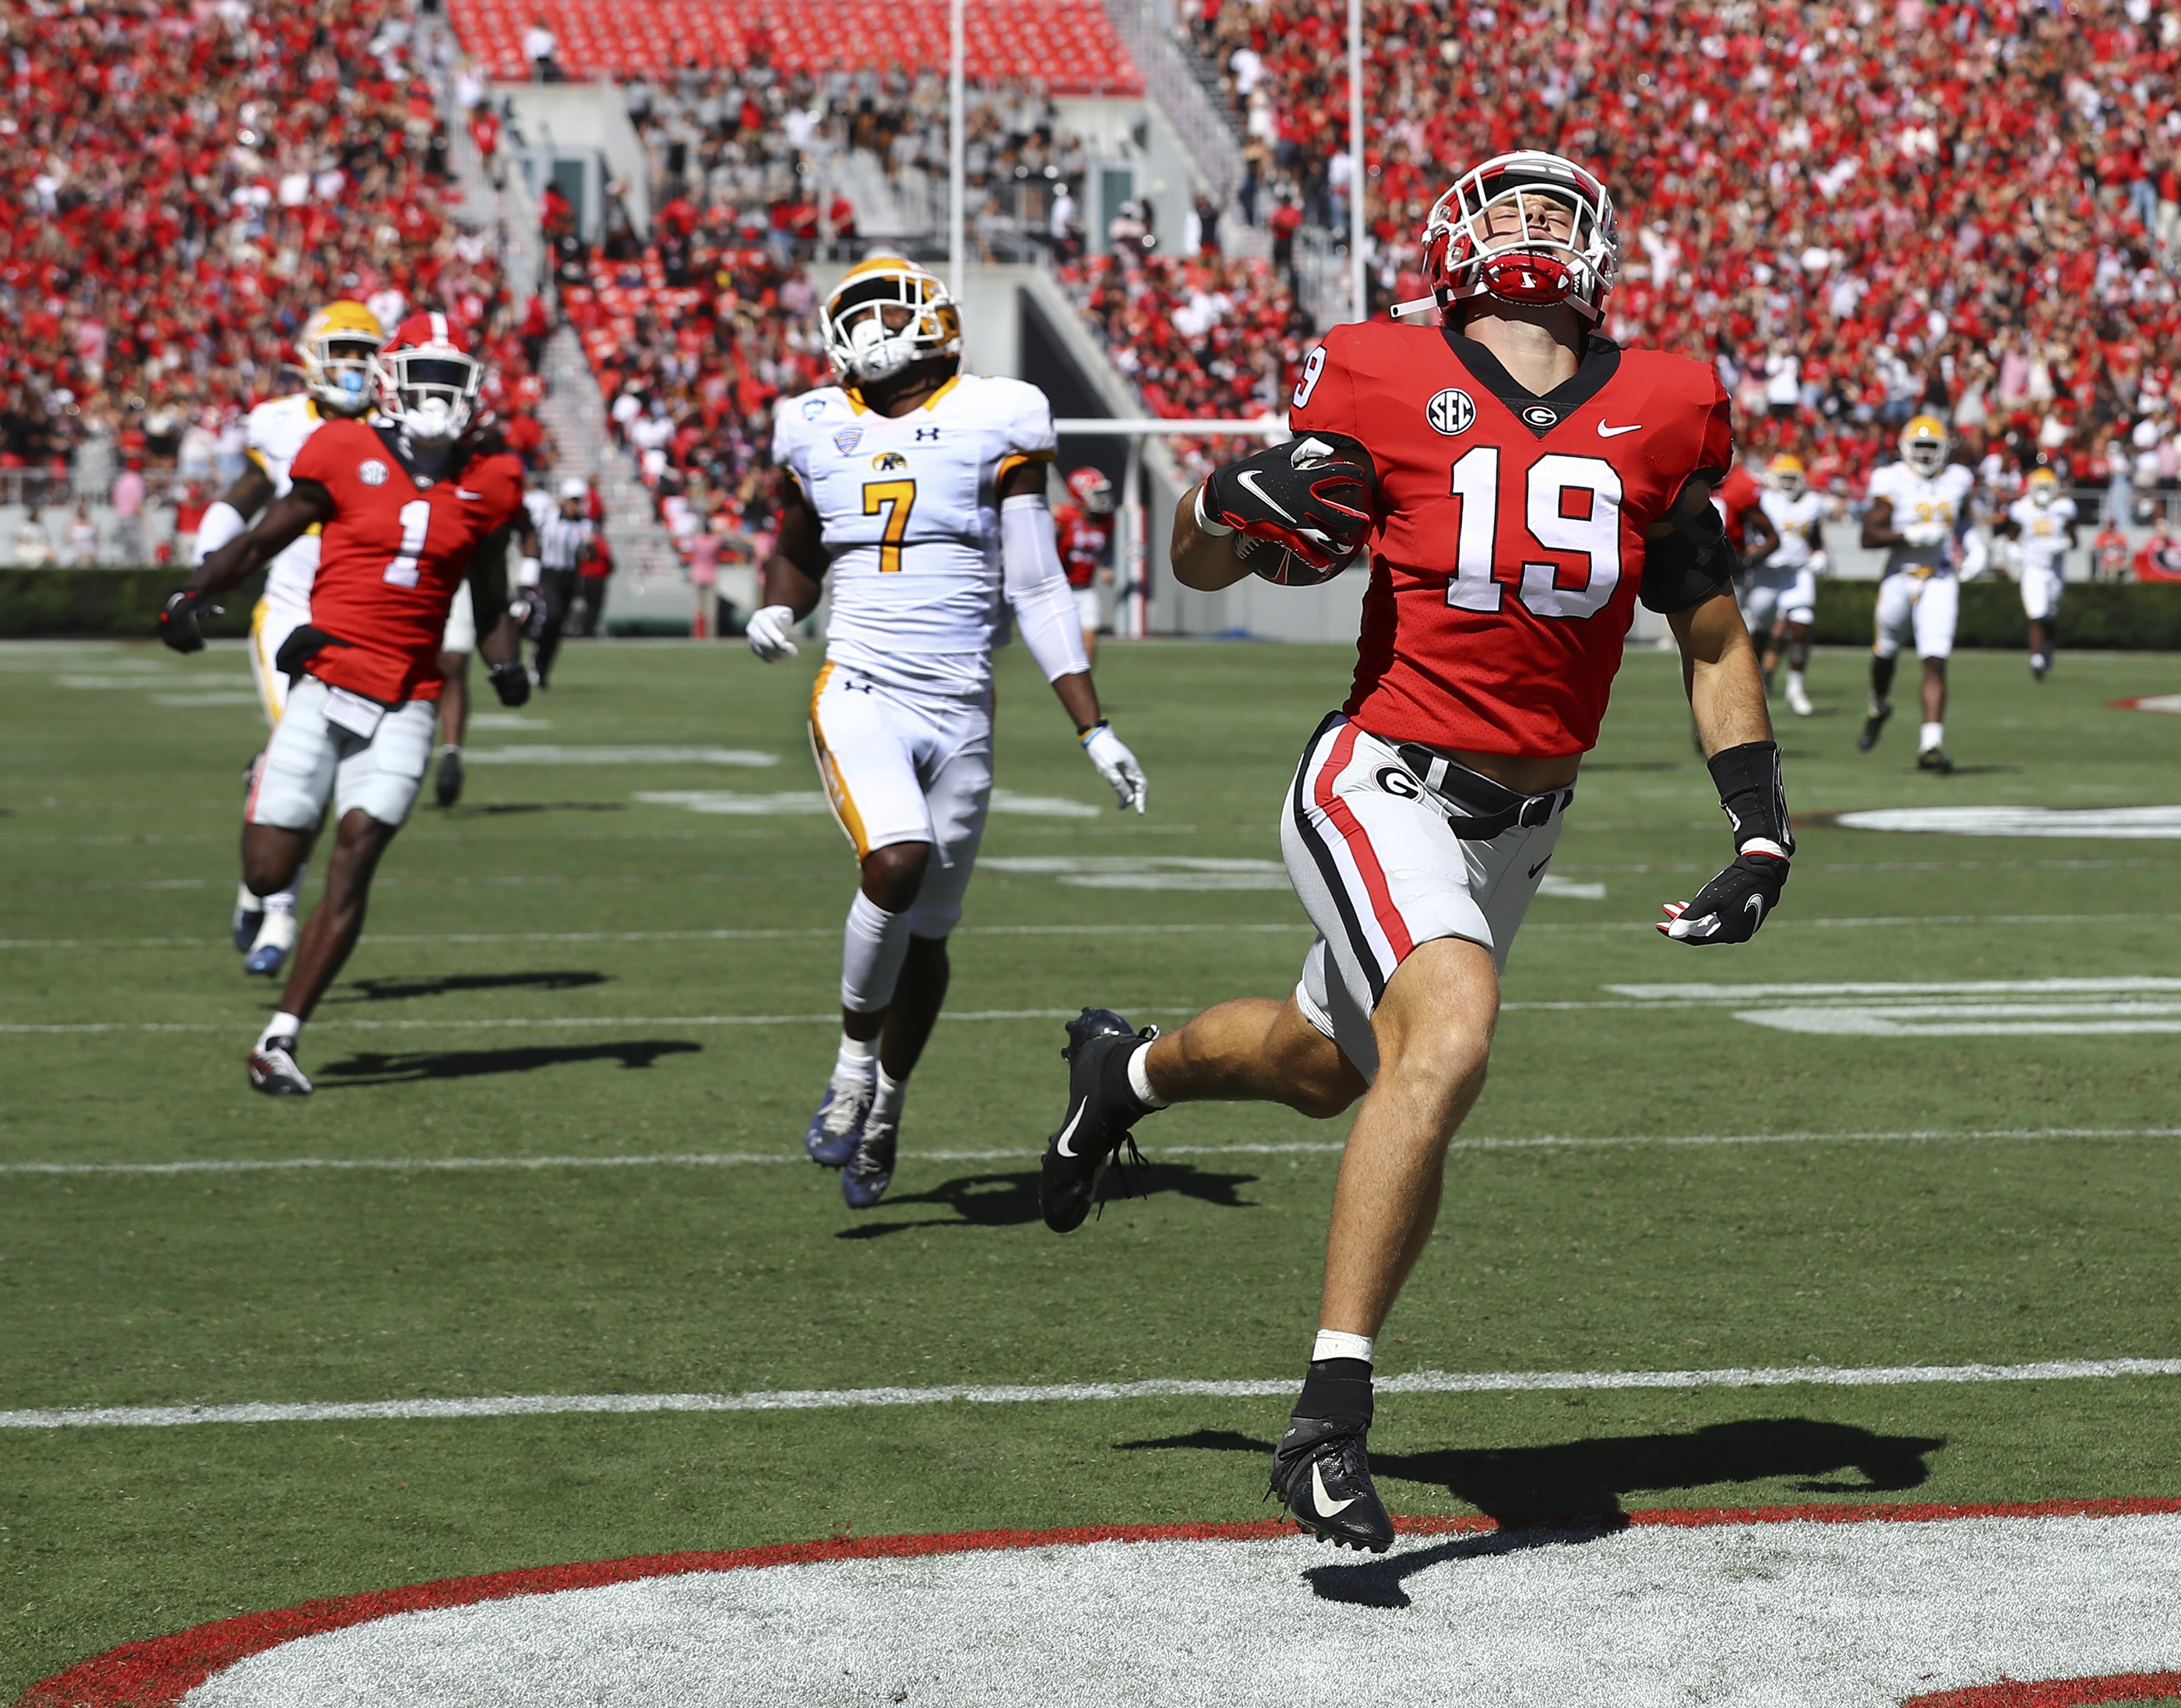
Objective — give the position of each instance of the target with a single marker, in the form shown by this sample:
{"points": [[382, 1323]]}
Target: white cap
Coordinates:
{"points": [[574, 488]]}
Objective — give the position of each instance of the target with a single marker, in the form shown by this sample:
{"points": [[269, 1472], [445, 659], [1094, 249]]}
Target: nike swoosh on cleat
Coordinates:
{"points": [[1248, 477], [1066, 1133], [1607, 432], [1326, 1506]]}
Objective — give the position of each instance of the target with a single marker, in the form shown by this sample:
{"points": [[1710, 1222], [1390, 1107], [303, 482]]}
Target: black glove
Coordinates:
{"points": [[511, 681], [178, 620], [1317, 496], [1731, 907]]}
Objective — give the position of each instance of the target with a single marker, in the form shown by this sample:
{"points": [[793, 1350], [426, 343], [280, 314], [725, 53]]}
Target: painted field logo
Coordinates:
{"points": [[1451, 411]]}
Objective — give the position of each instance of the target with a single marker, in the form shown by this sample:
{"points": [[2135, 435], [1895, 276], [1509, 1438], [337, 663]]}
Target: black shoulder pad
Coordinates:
{"points": [[1689, 566]]}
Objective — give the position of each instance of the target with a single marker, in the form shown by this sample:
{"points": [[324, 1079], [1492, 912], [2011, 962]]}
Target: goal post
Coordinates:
{"points": [[1131, 543]]}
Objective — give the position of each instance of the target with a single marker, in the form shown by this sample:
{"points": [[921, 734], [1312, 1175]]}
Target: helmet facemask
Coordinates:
{"points": [[429, 393], [878, 323], [1529, 228]]}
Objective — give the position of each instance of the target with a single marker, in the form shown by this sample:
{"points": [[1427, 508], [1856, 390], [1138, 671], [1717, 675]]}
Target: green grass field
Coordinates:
{"points": [[537, 981]]}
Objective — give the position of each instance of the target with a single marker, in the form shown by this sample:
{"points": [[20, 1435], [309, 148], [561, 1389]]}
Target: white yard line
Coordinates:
{"points": [[823, 1399], [721, 1159]]}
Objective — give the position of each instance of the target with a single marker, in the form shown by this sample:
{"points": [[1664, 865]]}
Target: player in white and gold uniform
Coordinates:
{"points": [[2041, 523], [1779, 596], [918, 491], [1918, 507], [335, 349]]}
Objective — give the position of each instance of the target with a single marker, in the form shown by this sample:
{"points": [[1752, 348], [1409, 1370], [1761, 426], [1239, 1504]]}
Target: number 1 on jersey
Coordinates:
{"points": [[415, 522], [896, 499]]}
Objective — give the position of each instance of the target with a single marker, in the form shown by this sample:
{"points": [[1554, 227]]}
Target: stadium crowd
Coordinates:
{"points": [[179, 188], [1860, 210]]}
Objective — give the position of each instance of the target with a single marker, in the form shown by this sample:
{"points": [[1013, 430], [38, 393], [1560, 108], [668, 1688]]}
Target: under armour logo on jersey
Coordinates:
{"points": [[924, 434], [1539, 415], [372, 472], [1451, 411]]}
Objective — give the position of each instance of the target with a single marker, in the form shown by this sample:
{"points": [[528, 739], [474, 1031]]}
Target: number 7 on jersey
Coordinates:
{"points": [[896, 499]]}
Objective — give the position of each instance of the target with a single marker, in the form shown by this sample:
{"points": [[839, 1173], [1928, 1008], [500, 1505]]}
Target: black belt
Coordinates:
{"points": [[1492, 807]]}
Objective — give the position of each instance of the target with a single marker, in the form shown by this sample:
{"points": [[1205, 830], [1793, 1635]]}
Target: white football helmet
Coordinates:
{"points": [[1473, 246], [884, 315], [427, 379]]}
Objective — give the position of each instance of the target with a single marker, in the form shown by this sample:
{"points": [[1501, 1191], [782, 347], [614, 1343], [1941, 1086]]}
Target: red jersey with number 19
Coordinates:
{"points": [[392, 555], [1504, 572]]}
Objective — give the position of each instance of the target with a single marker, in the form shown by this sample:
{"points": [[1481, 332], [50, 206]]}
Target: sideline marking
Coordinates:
{"points": [[159, 1671], [1889, 1009], [2123, 822], [829, 1399], [720, 935], [554, 753], [720, 1159], [2148, 702], [551, 1020]]}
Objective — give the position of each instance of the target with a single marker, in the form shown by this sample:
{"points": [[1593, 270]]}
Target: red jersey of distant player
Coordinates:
{"points": [[1082, 541], [1738, 495], [1505, 567], [392, 554]]}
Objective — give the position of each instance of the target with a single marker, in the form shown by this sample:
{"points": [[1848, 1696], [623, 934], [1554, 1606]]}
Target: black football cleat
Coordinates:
{"points": [[1933, 759], [1871, 725], [1101, 1110], [447, 786], [1323, 1477], [273, 1070]]}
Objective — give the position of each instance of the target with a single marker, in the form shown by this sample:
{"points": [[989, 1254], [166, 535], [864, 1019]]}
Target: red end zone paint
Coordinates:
{"points": [[2055, 1693], [157, 1672]]}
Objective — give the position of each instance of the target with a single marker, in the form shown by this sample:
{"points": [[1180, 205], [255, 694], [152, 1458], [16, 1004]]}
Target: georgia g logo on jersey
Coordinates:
{"points": [[1451, 411]]}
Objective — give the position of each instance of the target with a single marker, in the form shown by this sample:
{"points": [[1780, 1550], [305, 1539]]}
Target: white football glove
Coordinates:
{"points": [[1117, 766], [772, 634], [1921, 534]]}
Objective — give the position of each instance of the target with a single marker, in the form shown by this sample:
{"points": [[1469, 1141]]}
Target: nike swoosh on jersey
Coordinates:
{"points": [[1607, 432], [1326, 1506], [464, 493], [1068, 1131], [1248, 477]]}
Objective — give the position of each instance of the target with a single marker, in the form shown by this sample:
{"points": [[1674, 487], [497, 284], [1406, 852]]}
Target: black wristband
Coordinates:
{"points": [[1083, 730], [1755, 799]]}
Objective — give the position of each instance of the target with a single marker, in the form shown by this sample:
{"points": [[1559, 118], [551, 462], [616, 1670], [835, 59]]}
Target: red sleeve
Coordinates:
{"points": [[1325, 394], [1717, 452]]}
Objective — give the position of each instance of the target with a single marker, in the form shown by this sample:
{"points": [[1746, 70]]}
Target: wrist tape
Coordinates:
{"points": [[1754, 798]]}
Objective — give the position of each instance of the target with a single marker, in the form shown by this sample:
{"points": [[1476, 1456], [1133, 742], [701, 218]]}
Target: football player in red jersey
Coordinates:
{"points": [[1084, 532], [408, 503], [1521, 481]]}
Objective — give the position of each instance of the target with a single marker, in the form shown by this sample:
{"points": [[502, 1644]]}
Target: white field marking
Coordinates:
{"points": [[1794, 1615], [150, 677], [2154, 702], [1292, 1148], [526, 1022], [1966, 1009], [1552, 883], [507, 720], [243, 697], [2130, 822], [831, 1399], [726, 935], [548, 753], [725, 802]]}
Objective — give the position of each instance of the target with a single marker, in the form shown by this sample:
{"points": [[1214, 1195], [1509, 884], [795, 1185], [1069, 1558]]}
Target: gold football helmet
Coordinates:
{"points": [[884, 315], [336, 348], [1924, 444], [1787, 475]]}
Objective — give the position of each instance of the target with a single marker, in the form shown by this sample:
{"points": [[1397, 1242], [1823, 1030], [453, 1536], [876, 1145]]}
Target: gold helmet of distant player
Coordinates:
{"points": [[1924, 444], [884, 315], [1787, 474], [336, 348], [2044, 487]]}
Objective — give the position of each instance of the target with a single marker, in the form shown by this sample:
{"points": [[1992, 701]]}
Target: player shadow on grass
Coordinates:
{"points": [[1010, 1201], [1569, 1493], [413, 1067], [400, 990]]}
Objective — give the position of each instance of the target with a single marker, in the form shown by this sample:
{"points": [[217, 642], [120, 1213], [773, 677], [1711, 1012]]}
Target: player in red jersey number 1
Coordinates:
{"points": [[408, 503], [1520, 481]]}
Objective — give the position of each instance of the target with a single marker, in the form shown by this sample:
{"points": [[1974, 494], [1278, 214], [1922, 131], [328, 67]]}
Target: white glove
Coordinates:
{"points": [[772, 634], [1117, 766], [527, 574], [1921, 534]]}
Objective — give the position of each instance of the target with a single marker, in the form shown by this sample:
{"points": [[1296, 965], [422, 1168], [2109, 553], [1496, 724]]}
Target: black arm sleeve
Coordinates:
{"points": [[1689, 566], [488, 574]]}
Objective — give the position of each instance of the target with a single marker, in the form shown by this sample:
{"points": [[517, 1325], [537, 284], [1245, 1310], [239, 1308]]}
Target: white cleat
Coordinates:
{"points": [[1798, 702], [273, 1070]]}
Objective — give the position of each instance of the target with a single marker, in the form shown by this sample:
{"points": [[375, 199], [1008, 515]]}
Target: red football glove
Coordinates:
{"points": [[1317, 496]]}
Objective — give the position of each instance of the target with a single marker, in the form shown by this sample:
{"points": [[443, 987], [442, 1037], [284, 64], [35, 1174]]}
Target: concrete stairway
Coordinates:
{"points": [[1171, 83]]}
